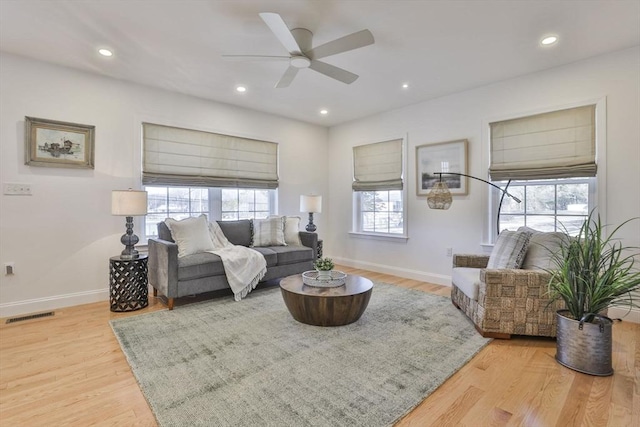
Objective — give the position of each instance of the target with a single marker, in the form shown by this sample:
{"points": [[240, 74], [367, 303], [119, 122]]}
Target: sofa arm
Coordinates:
{"points": [[310, 240], [499, 285], [470, 260], [163, 267]]}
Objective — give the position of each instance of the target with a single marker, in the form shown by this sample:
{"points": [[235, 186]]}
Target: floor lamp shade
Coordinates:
{"points": [[311, 204], [129, 203]]}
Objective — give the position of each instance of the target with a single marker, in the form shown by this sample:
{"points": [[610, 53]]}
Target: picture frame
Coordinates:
{"points": [[50, 143], [450, 156]]}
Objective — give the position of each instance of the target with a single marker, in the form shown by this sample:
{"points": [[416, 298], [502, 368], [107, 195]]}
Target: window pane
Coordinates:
{"points": [[151, 224], [156, 199], [367, 199], [178, 200], [246, 201], [511, 222], [229, 200], [368, 219], [229, 216], [199, 199], [262, 201], [573, 198], [541, 199], [570, 224], [511, 206]]}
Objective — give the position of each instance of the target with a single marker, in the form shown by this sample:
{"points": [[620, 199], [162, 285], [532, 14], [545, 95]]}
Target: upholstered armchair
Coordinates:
{"points": [[507, 301]]}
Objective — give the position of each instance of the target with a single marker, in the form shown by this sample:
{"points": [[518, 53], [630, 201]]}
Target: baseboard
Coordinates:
{"points": [[632, 316], [51, 303], [437, 279]]}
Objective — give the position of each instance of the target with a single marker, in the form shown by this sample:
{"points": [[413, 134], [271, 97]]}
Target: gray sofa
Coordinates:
{"points": [[194, 274]]}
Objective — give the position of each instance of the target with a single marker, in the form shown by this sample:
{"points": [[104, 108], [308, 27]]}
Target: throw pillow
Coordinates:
{"points": [[291, 229], [268, 232], [541, 250], [509, 250], [191, 235]]}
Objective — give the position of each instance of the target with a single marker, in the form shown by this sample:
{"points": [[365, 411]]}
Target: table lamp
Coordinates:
{"points": [[129, 203], [311, 204]]}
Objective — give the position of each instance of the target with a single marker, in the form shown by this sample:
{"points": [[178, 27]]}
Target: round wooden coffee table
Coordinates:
{"points": [[326, 306]]}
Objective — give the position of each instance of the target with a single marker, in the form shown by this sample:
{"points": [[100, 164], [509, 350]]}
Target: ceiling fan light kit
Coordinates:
{"points": [[298, 43]]}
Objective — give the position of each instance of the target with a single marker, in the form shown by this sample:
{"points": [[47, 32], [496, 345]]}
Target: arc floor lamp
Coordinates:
{"points": [[439, 197]]}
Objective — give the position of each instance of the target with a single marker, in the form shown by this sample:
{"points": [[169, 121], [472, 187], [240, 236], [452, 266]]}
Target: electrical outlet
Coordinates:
{"points": [[9, 268], [15, 189], [449, 252]]}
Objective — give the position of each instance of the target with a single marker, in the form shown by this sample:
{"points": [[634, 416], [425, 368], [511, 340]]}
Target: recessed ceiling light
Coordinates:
{"points": [[324, 112], [241, 89], [105, 52], [405, 85], [549, 40]]}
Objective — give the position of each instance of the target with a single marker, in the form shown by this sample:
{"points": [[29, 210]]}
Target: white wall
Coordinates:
{"points": [[464, 115], [62, 236]]}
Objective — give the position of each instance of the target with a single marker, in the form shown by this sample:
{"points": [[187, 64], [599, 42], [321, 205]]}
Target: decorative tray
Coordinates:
{"points": [[324, 279]]}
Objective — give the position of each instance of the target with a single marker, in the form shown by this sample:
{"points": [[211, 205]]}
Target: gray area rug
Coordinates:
{"points": [[249, 363]]}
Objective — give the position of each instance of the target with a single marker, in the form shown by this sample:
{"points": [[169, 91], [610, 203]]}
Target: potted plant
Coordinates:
{"points": [[324, 267], [592, 273]]}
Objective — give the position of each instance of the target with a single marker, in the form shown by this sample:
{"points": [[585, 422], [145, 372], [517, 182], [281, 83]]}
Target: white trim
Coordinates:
{"points": [[51, 303], [379, 236], [422, 276], [632, 316]]}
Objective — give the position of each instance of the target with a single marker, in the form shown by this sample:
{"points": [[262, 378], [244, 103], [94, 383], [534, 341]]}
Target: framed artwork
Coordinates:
{"points": [[58, 144], [448, 156]]}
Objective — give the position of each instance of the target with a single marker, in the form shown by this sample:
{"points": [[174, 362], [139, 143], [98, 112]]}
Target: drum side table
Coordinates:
{"points": [[128, 286]]}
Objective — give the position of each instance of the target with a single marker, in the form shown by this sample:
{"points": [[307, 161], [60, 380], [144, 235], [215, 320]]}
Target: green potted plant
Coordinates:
{"points": [[592, 273], [324, 267]]}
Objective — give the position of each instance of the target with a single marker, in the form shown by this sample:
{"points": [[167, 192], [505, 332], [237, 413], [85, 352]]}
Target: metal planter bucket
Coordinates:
{"points": [[587, 349]]}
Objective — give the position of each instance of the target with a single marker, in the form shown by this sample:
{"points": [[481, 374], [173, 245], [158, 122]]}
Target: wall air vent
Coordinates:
{"points": [[29, 317]]}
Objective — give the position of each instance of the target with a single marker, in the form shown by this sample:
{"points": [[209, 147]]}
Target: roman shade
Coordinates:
{"points": [[559, 144], [176, 156], [378, 166]]}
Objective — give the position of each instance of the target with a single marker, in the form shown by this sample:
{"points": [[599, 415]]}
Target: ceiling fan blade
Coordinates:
{"points": [[287, 77], [343, 44], [281, 31], [334, 72], [254, 58]]}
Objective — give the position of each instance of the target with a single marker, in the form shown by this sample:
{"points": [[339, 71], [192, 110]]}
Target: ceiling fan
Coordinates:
{"points": [[302, 55]]}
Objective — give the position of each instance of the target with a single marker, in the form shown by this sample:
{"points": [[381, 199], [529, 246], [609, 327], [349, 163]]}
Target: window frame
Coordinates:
{"points": [[214, 212]]}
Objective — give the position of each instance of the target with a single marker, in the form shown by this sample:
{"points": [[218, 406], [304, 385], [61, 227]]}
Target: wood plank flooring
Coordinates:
{"points": [[69, 370]]}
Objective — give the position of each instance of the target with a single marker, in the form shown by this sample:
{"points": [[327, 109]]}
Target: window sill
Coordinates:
{"points": [[378, 236]]}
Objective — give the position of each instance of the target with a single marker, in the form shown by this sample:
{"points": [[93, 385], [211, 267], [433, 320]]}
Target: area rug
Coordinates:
{"points": [[249, 363]]}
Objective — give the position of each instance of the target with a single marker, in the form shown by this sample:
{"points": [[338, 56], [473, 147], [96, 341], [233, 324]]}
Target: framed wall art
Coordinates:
{"points": [[448, 156], [51, 143]]}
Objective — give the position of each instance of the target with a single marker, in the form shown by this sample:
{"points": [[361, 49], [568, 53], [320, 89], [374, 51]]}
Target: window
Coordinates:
{"points": [[217, 203], [380, 212], [378, 191], [550, 159], [547, 205]]}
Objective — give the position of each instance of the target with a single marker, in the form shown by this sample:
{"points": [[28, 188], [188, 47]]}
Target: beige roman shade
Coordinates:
{"points": [[378, 166], [559, 144], [176, 156]]}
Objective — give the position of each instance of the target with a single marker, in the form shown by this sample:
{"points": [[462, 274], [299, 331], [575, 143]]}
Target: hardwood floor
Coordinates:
{"points": [[69, 370]]}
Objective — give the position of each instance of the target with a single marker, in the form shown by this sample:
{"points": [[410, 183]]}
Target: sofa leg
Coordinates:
{"points": [[496, 335], [155, 292], [170, 303]]}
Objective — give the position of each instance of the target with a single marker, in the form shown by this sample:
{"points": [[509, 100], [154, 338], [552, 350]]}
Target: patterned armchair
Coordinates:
{"points": [[503, 302]]}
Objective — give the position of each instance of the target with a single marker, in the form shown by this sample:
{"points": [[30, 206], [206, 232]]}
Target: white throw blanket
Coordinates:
{"points": [[244, 267]]}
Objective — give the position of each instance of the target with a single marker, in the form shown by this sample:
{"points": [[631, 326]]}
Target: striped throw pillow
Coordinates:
{"points": [[509, 250], [269, 232]]}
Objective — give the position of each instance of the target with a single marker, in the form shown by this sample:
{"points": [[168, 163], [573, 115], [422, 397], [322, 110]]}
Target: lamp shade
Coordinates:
{"points": [[439, 197], [128, 202], [311, 204]]}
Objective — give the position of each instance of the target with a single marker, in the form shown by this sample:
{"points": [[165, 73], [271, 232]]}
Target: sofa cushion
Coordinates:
{"points": [[269, 255], [542, 247], [196, 266], [237, 232], [292, 254], [268, 232], [191, 235], [509, 250], [467, 280]]}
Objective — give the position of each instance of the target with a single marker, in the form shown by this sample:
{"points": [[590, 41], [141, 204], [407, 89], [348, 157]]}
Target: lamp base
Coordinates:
{"points": [[129, 241], [126, 254], [311, 227]]}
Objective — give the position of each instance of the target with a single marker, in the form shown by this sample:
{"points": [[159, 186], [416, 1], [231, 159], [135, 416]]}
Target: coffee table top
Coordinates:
{"points": [[354, 285]]}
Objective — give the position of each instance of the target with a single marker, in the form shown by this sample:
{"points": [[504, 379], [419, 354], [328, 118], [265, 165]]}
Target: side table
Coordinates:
{"points": [[319, 249], [128, 283]]}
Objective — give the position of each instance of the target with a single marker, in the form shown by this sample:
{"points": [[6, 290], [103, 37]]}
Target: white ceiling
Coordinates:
{"points": [[438, 47]]}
